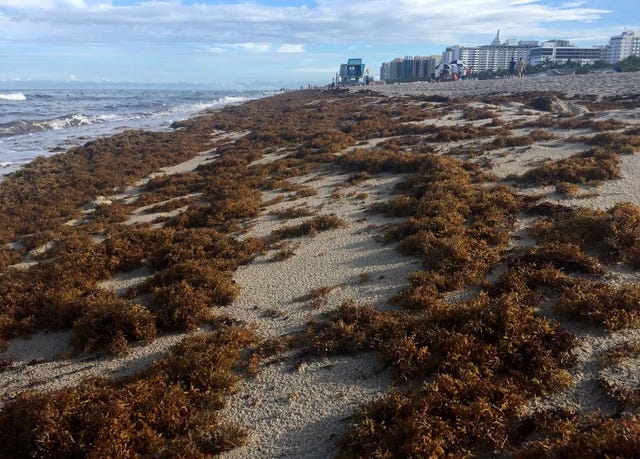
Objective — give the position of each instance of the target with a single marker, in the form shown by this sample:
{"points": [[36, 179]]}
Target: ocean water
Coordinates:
{"points": [[44, 122]]}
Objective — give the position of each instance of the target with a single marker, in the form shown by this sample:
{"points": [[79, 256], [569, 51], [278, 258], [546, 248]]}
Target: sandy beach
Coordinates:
{"points": [[298, 404], [598, 84]]}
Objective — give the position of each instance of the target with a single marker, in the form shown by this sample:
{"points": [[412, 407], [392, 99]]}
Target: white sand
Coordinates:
{"points": [[41, 363], [295, 413]]}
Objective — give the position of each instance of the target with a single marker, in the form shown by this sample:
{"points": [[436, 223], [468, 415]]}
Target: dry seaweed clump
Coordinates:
{"points": [[447, 418], [225, 252], [601, 304], [8, 257], [570, 436], [310, 227], [111, 323], [592, 166], [170, 411], [224, 209], [380, 160], [629, 349], [613, 234], [472, 365], [457, 225], [588, 123], [48, 295], [291, 212], [477, 113], [563, 256], [182, 294], [567, 189], [193, 272], [622, 143], [510, 141], [488, 336], [114, 212]]}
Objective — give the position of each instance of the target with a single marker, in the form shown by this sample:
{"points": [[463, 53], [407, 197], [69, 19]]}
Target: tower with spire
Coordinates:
{"points": [[497, 41]]}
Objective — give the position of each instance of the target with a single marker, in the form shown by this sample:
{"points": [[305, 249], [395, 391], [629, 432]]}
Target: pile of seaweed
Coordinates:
{"points": [[465, 369]]}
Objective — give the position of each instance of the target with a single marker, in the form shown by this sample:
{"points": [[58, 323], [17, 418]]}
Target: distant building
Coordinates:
{"points": [[418, 68], [495, 56], [385, 71], [561, 51], [352, 72], [497, 41], [622, 46]]}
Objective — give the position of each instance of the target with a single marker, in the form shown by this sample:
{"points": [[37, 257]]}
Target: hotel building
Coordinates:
{"points": [[561, 51], [622, 46], [495, 56], [410, 68]]}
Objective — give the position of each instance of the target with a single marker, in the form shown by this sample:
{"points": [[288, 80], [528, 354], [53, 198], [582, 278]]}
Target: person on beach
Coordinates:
{"points": [[512, 68], [522, 65]]}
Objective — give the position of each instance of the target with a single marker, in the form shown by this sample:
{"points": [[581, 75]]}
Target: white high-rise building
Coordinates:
{"points": [[411, 68], [561, 51], [622, 46], [495, 56]]}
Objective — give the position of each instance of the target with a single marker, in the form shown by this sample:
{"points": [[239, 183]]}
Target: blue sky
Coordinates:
{"points": [[272, 43]]}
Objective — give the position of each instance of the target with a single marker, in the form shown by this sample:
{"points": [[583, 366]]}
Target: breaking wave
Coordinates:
{"points": [[13, 96], [28, 126]]}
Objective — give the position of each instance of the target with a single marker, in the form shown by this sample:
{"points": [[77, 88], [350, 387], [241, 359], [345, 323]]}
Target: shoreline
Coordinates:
{"points": [[78, 116]]}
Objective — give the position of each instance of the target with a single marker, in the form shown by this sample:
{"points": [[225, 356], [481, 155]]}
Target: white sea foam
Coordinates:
{"points": [[74, 120], [56, 124], [13, 96], [200, 106]]}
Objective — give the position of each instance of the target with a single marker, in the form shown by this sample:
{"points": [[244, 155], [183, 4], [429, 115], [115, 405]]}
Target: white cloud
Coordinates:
{"points": [[41, 4], [217, 50], [289, 48], [74, 3], [326, 22], [26, 4], [252, 47]]}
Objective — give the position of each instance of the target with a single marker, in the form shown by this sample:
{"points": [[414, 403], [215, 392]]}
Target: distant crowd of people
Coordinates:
{"points": [[517, 68], [453, 72]]}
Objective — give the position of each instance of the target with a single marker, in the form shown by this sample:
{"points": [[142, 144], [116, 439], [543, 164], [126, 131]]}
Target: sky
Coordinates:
{"points": [[270, 43]]}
